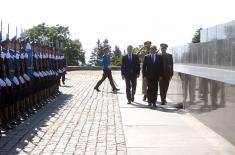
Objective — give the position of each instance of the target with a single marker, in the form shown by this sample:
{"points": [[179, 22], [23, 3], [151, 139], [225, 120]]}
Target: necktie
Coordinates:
{"points": [[153, 58], [129, 57]]}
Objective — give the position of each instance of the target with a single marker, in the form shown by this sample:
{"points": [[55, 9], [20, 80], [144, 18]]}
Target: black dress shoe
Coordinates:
{"points": [[163, 103], [2, 131], [25, 114], [116, 89], [149, 104], [144, 98], [132, 99], [97, 89], [14, 122], [7, 127], [34, 109], [180, 106], [129, 102]]}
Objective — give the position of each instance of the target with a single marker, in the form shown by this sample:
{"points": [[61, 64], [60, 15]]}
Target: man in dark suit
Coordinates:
{"points": [[152, 70], [167, 72], [130, 70]]}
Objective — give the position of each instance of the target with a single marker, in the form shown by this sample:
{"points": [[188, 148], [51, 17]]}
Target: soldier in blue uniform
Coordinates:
{"points": [[106, 71], [62, 65], [36, 77], [3, 92], [25, 86], [11, 82], [27, 72], [18, 103]]}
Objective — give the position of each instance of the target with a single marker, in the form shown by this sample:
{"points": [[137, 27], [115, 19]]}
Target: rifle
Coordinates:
{"points": [[1, 36]]}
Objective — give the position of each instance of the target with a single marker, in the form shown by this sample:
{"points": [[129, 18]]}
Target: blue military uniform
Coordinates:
{"points": [[106, 72]]}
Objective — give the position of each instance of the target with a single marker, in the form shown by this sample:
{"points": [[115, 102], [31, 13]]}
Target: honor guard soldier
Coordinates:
{"points": [[41, 75], [59, 68], [27, 57], [56, 69], [20, 104], [12, 81], [45, 81], [63, 65], [36, 76], [167, 72], [3, 92], [28, 83]]}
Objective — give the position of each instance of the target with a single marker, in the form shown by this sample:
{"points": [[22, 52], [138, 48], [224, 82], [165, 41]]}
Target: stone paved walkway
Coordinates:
{"points": [[79, 121], [82, 121]]}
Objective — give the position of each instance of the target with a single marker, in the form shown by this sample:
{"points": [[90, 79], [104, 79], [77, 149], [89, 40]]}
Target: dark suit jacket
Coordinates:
{"points": [[130, 68], [150, 69]]}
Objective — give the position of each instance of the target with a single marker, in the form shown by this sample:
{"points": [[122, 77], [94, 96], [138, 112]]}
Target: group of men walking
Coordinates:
{"points": [[157, 69]]}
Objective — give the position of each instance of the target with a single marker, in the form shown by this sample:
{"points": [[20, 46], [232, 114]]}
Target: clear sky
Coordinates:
{"points": [[122, 22]]}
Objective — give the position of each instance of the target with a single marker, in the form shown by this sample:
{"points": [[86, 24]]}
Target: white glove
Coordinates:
{"points": [[2, 83], [26, 77], [35, 74], [8, 82], [21, 79], [16, 81]]}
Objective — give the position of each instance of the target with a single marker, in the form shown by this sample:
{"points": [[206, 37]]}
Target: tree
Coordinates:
{"points": [[97, 53], [44, 33], [93, 57], [116, 56], [196, 36], [74, 52], [137, 49], [54, 34]]}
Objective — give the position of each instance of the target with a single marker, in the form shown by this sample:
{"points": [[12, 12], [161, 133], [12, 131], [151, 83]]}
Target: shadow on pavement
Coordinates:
{"points": [[17, 139], [117, 92], [66, 86], [164, 108], [139, 105]]}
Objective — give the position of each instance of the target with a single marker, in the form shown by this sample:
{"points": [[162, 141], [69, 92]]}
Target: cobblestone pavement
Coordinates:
{"points": [[79, 121]]}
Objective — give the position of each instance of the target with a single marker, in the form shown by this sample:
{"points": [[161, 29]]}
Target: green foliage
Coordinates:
{"points": [[196, 36], [93, 58], [97, 54], [137, 49], [74, 54], [58, 36], [47, 34], [116, 58]]}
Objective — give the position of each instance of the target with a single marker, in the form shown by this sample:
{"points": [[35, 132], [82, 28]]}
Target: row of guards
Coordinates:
{"points": [[30, 74]]}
